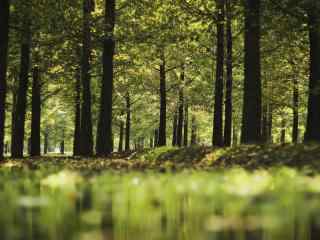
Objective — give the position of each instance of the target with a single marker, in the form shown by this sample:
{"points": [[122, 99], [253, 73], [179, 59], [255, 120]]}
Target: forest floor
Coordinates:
{"points": [[250, 157]]}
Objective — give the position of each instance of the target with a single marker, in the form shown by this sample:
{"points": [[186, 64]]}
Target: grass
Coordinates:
{"points": [[220, 194]]}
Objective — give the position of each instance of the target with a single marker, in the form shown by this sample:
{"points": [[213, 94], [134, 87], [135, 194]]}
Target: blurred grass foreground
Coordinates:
{"points": [[58, 201]]}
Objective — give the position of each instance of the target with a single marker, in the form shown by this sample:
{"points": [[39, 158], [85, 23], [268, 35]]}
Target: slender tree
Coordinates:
{"points": [[229, 80], [251, 117], [128, 122], [186, 124], [162, 141], [35, 149], [295, 103], [313, 118], [121, 133], [86, 119], [21, 104], [217, 137], [104, 130], [174, 128], [4, 38], [180, 111], [77, 116]]}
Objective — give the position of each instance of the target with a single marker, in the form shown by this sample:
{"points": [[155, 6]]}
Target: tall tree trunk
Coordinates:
{"points": [[121, 133], [265, 123], [77, 117], [235, 135], [313, 119], [14, 103], [62, 144], [104, 130], [270, 122], [217, 137], [295, 99], [180, 112], [151, 142], [46, 141], [4, 38], [186, 125], [283, 132], [86, 118], [193, 131], [156, 137], [19, 122], [36, 114], [251, 117], [174, 129], [128, 122], [163, 102], [229, 81]]}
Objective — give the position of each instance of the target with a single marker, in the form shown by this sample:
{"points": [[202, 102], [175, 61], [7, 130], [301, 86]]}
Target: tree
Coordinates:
{"points": [[4, 38], [18, 130], [77, 118], [180, 111], [217, 137], [128, 122], [162, 141], [251, 116], [36, 113], [229, 80], [313, 118], [86, 115], [104, 130]]}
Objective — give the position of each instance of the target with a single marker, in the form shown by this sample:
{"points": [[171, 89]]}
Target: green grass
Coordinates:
{"points": [[248, 192], [53, 203]]}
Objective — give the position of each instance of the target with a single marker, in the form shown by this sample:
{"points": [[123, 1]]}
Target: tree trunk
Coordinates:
{"points": [[120, 148], [46, 141], [217, 137], [295, 98], [156, 138], [77, 118], [4, 38], [174, 129], [264, 124], [186, 125], [180, 112], [20, 108], [151, 142], [86, 118], [193, 131], [104, 130], [251, 117], [163, 103], [283, 132], [313, 119], [36, 114], [128, 123], [270, 122], [229, 81]]}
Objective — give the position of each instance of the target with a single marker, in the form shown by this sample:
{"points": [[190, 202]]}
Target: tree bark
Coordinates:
{"points": [[186, 125], [20, 109], [156, 137], [283, 131], [174, 129], [36, 114], [295, 99], [180, 112], [217, 137], [251, 117], [229, 81], [128, 122], [86, 118], [313, 118], [120, 147], [193, 131], [104, 130], [46, 141], [77, 118], [4, 39], [163, 102]]}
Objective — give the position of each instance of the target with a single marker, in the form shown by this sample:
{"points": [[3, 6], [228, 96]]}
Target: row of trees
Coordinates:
{"points": [[108, 62]]}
